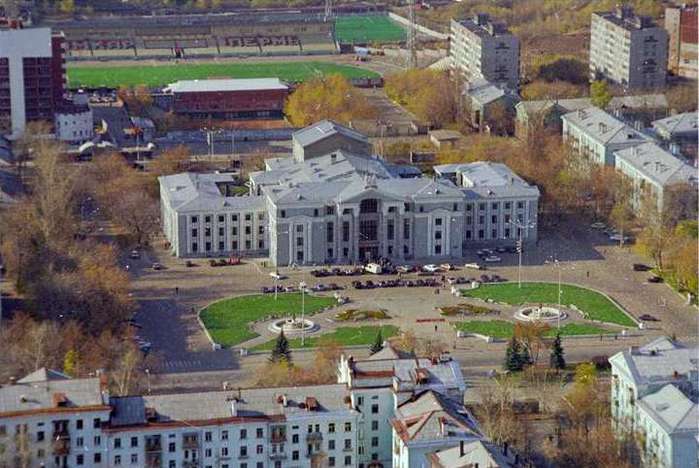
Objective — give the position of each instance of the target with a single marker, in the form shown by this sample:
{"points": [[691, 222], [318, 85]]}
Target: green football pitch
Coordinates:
{"points": [[160, 75], [368, 29]]}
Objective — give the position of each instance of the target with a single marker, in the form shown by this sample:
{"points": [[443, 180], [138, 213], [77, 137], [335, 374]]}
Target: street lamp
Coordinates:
{"points": [[559, 266], [520, 229], [302, 287]]}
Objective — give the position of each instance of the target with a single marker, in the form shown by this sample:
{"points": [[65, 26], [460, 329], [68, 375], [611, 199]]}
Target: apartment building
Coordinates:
{"points": [[679, 133], [32, 77], [654, 393], [597, 135], [329, 205], [627, 49], [482, 49], [49, 419], [681, 27], [654, 173]]}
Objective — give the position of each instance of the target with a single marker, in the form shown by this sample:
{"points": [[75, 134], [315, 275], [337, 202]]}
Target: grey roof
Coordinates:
{"points": [[484, 92], [487, 179], [323, 129], [630, 22], [658, 361], [657, 165], [434, 416], [671, 408], [490, 29], [401, 373], [215, 85], [445, 134], [651, 101], [680, 124], [30, 42], [249, 403], [193, 192], [603, 127], [480, 453], [37, 392]]}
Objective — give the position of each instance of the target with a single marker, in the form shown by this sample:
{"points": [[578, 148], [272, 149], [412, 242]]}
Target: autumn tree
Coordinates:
{"points": [[170, 161], [600, 94], [327, 97], [554, 90], [531, 338], [430, 94]]}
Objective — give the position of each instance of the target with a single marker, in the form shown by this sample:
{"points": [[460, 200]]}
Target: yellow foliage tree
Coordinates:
{"points": [[329, 97]]}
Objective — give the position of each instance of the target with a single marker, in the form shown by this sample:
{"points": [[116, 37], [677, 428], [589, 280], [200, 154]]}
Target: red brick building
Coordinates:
{"points": [[681, 25], [229, 98], [32, 77]]}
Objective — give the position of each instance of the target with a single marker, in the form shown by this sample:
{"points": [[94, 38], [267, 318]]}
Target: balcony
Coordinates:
{"points": [[190, 443], [61, 443], [277, 456], [277, 438], [154, 460], [154, 447], [314, 437]]}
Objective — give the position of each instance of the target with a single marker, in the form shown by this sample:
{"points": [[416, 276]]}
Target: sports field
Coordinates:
{"points": [[160, 75], [368, 29]]}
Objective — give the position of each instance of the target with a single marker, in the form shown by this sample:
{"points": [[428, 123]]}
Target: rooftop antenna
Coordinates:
{"points": [[411, 40]]}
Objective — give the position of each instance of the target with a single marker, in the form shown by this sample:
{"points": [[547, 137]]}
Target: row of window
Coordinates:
{"points": [[222, 246], [222, 232], [194, 219]]}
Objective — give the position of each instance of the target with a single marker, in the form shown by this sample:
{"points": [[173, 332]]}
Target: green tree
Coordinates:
{"points": [[514, 359], [67, 6], [556, 359], [70, 363], [378, 343], [599, 93], [281, 351]]}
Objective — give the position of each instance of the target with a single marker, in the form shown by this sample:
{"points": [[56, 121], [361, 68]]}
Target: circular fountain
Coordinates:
{"points": [[540, 314], [293, 326]]}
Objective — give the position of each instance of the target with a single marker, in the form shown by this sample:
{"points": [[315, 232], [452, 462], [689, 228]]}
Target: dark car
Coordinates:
{"points": [[655, 279], [640, 267], [649, 318]]}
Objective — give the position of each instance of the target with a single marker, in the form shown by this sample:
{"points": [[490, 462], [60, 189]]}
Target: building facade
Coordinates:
{"points": [[32, 77], [679, 134], [229, 98], [627, 49], [344, 207], [482, 49], [681, 27], [73, 123], [654, 394], [49, 419]]}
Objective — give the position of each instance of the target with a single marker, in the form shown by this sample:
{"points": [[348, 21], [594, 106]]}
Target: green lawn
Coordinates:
{"points": [[160, 75], [346, 336], [594, 304], [227, 320], [368, 29], [504, 329]]}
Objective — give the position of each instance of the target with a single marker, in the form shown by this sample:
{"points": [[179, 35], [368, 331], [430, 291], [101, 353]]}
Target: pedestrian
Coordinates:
{"points": [[587, 273], [435, 327], [600, 337], [177, 290]]}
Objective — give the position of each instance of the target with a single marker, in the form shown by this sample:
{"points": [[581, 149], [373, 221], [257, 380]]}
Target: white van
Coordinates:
{"points": [[374, 268]]}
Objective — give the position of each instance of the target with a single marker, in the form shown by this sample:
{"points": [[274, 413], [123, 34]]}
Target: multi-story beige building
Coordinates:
{"points": [[628, 49], [482, 49]]}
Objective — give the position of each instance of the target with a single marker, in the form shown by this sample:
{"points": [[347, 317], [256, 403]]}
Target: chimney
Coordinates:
{"points": [[462, 452]]}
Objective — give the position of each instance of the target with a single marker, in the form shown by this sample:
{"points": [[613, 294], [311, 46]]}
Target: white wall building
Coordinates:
{"points": [[74, 123], [654, 392], [628, 49]]}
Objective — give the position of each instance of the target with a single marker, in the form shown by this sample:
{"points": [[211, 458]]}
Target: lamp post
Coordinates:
{"points": [[520, 246], [558, 266], [302, 286]]}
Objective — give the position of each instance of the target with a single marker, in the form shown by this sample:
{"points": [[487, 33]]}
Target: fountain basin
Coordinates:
{"points": [[293, 326], [540, 314]]}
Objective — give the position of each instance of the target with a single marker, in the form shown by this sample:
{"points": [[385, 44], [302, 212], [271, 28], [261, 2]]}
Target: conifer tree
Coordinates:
{"points": [[378, 343], [556, 360], [281, 351], [513, 356]]}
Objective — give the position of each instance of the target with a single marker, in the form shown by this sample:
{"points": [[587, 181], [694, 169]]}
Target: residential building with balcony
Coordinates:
{"points": [[683, 48], [32, 77], [343, 207], [627, 49], [482, 49], [654, 394]]}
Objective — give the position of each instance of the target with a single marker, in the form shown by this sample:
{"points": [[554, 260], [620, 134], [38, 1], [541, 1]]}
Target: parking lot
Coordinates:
{"points": [[170, 298]]}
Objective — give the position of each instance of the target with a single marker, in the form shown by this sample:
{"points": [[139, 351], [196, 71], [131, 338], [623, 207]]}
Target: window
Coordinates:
{"points": [[374, 425], [260, 433], [96, 423], [345, 252], [508, 205], [329, 210], [455, 207], [261, 216], [117, 443], [494, 219], [374, 441], [406, 207], [282, 214], [261, 230], [390, 229], [207, 218], [224, 451], [331, 428], [194, 219], [221, 218], [208, 246], [374, 409], [481, 220], [520, 205], [207, 436], [438, 235], [234, 231], [348, 427], [97, 440], [370, 205], [117, 459], [331, 461], [248, 245], [79, 442], [331, 444], [195, 232], [295, 439], [134, 442], [494, 234], [406, 229], [469, 207], [195, 246], [495, 206], [295, 455], [259, 449], [243, 433], [79, 459], [248, 217], [329, 232], [208, 453], [469, 220], [207, 232], [40, 436], [171, 447], [97, 458], [438, 250], [248, 229], [422, 209], [234, 217], [172, 464], [348, 443], [299, 241], [234, 245], [315, 212], [134, 458], [481, 234], [299, 228], [481, 207], [79, 424], [330, 253], [220, 231], [438, 221], [224, 435], [348, 460], [244, 451], [345, 231]]}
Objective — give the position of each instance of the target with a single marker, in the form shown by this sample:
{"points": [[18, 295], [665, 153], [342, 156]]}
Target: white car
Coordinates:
{"points": [[431, 268], [473, 266], [277, 276], [598, 225], [492, 259], [619, 238]]}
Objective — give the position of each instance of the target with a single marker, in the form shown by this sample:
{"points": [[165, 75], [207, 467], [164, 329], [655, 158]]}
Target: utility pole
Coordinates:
{"points": [[411, 40]]}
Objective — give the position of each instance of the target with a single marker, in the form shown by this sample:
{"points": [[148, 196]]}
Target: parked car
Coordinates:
{"points": [[598, 225], [374, 268], [620, 238], [277, 276], [484, 252], [640, 267], [319, 287], [445, 267], [189, 264], [655, 279], [135, 255], [474, 266], [492, 259], [405, 269], [649, 318], [157, 266], [431, 268]]}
